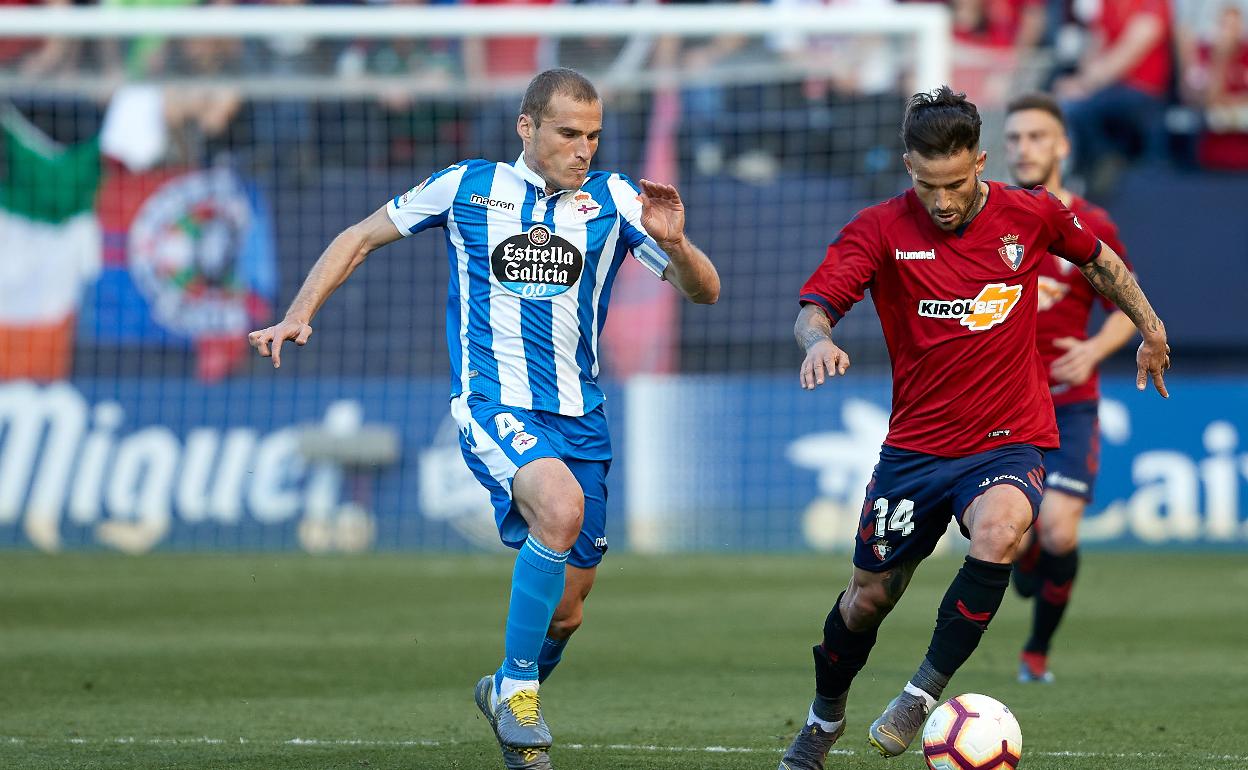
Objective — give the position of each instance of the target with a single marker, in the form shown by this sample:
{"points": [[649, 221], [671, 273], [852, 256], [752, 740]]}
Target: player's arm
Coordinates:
{"points": [[1081, 358], [1110, 276], [840, 281], [343, 255], [813, 330], [663, 217]]}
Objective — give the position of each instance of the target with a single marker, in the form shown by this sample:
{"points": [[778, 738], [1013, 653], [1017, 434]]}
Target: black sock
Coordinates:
{"points": [[1057, 578], [838, 660], [969, 604]]}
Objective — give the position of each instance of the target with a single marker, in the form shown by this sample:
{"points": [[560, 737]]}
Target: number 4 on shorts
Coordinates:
{"points": [[507, 424], [901, 520]]}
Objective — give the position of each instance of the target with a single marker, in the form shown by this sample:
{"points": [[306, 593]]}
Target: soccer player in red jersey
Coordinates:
{"points": [[1035, 146], [953, 266]]}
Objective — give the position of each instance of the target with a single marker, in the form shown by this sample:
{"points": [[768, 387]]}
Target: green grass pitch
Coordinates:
{"points": [[284, 661]]}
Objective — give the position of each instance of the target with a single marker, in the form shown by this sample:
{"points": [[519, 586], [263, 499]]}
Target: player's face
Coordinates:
{"points": [[562, 146], [947, 186], [1035, 146]]}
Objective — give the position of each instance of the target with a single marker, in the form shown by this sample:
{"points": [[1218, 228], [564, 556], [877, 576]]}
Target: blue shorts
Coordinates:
{"points": [[913, 495], [1072, 469], [498, 440]]}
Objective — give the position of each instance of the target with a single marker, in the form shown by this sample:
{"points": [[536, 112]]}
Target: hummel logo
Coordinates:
{"points": [[929, 254]]}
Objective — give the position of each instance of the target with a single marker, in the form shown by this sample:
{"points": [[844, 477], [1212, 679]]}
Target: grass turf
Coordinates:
{"points": [[263, 661]]}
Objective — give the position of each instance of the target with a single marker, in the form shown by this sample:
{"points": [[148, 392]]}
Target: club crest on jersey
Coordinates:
{"points": [[990, 307], [1012, 251], [522, 442], [584, 205], [881, 550]]}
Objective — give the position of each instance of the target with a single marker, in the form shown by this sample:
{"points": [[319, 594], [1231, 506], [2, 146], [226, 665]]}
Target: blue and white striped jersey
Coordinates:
{"points": [[531, 276]]}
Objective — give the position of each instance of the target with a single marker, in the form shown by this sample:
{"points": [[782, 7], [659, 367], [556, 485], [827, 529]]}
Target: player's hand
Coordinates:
{"points": [[1152, 358], [275, 335], [824, 360], [1077, 364], [662, 212]]}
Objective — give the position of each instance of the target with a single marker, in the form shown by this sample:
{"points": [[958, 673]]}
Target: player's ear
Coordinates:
{"points": [[979, 163], [905, 158], [524, 127]]}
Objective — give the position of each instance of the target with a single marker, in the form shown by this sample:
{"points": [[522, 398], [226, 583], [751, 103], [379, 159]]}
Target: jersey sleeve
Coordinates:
{"points": [[1071, 240], [645, 249], [848, 268], [428, 203]]}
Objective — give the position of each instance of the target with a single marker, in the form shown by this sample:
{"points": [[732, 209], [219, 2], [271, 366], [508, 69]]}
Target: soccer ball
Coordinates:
{"points": [[972, 732]]}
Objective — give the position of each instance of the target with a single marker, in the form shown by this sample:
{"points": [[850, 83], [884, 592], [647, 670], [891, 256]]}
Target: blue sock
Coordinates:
{"points": [[536, 587], [552, 652]]}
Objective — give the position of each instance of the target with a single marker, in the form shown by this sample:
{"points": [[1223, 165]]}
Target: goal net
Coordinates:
{"points": [[168, 176]]}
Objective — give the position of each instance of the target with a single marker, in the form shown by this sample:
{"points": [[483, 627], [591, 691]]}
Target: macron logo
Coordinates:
{"points": [[494, 203], [929, 254]]}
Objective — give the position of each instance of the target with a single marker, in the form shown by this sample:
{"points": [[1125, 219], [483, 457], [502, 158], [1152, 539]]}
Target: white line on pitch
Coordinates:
{"points": [[205, 740]]}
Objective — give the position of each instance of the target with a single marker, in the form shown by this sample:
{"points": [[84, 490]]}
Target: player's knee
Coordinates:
{"points": [[559, 520], [998, 538], [1060, 539], [999, 533]]}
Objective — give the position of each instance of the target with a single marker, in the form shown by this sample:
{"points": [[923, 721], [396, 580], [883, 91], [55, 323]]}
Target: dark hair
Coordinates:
{"points": [[1037, 101], [940, 123], [545, 85]]}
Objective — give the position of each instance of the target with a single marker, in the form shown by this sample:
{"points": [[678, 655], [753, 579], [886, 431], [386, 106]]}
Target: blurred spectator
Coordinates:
{"points": [[39, 57], [847, 105], [1216, 82], [419, 72], [489, 62], [1116, 97], [206, 109], [705, 107], [995, 40]]}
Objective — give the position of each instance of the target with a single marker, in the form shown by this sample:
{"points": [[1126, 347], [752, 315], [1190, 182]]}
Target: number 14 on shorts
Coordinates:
{"points": [[901, 521]]}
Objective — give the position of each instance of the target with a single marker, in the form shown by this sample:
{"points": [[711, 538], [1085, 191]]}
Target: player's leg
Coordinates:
{"points": [[567, 618], [539, 507], [587, 553], [1024, 577], [1056, 569], [995, 519], [550, 500], [903, 517], [548, 497], [849, 633], [1068, 489]]}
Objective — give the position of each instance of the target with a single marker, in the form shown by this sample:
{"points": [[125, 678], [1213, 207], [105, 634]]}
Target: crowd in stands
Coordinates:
{"points": [[1141, 80]]}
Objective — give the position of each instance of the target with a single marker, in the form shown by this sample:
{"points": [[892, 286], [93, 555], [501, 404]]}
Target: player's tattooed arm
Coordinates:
{"points": [[824, 359], [1110, 276]]}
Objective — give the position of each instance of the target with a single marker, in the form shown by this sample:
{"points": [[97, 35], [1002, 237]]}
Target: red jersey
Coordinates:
{"points": [[1066, 300], [1151, 74], [958, 311]]}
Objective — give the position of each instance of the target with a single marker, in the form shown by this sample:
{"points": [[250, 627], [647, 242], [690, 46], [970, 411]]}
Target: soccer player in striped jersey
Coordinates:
{"points": [[1035, 147], [953, 266], [534, 246]]}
